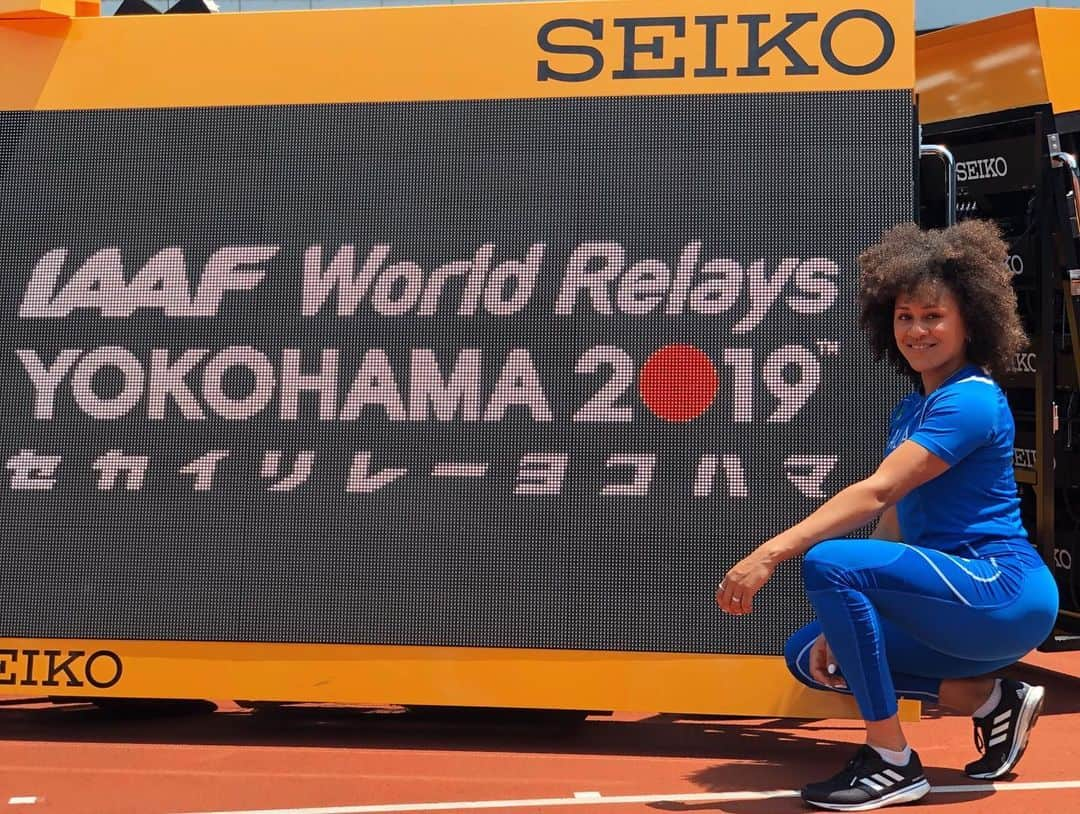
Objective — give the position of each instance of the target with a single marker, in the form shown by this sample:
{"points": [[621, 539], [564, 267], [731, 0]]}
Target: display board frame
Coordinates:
{"points": [[544, 53]]}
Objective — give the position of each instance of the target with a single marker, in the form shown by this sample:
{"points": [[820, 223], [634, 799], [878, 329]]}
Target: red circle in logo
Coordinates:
{"points": [[678, 382]]}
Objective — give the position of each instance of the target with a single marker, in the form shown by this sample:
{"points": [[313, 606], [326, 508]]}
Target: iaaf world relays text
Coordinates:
{"points": [[674, 382]]}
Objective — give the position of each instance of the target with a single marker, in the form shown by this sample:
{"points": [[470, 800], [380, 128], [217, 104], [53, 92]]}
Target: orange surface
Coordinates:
{"points": [[424, 53], [505, 677], [33, 9], [1016, 60], [73, 758]]}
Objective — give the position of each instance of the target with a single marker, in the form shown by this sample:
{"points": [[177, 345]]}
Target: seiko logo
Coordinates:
{"points": [[1016, 264], [981, 169], [647, 44], [1024, 458], [1024, 363], [60, 668]]}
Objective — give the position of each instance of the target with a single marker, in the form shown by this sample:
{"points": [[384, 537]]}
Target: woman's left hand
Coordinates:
{"points": [[735, 594]]}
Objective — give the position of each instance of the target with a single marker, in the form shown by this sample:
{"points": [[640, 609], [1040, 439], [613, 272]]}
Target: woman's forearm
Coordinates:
{"points": [[849, 509]]}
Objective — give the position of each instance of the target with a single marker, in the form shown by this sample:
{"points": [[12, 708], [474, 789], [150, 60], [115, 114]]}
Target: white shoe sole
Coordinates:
{"points": [[898, 797], [1029, 714]]}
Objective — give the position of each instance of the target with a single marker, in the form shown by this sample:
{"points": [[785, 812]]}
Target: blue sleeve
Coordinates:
{"points": [[958, 420]]}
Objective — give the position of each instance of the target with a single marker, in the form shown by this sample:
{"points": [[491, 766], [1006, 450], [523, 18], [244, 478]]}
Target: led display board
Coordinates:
{"points": [[529, 366]]}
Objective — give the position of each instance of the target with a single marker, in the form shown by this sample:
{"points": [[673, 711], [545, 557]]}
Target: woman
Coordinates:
{"points": [[949, 589]]}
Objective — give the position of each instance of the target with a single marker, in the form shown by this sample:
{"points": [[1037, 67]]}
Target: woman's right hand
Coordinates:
{"points": [[821, 656]]}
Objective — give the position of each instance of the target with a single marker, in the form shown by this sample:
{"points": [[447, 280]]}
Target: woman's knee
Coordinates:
{"points": [[826, 564]]}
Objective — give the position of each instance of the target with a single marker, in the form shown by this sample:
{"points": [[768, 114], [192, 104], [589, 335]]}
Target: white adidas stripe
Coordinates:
{"points": [[882, 780]]}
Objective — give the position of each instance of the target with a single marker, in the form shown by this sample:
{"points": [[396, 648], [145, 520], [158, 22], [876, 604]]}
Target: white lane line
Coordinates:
{"points": [[1057, 784], [719, 797], [22, 801], [587, 795], [552, 801]]}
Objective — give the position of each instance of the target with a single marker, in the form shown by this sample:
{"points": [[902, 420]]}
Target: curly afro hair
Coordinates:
{"points": [[969, 259]]}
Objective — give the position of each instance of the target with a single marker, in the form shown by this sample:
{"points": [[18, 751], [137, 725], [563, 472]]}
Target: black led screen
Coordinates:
{"points": [[526, 373]]}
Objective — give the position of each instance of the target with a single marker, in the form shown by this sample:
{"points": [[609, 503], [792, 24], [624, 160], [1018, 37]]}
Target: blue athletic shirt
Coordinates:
{"points": [[972, 505]]}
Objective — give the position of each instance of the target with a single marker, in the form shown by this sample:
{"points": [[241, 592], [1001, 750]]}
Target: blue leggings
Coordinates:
{"points": [[899, 618]]}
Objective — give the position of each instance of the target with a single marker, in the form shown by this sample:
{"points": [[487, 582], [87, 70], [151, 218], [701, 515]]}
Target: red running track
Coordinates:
{"points": [[74, 758]]}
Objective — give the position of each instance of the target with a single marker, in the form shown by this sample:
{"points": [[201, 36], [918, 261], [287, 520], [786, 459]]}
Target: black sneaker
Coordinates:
{"points": [[1002, 736], [869, 782]]}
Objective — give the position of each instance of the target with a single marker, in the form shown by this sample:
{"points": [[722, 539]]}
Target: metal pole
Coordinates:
{"points": [[942, 152]]}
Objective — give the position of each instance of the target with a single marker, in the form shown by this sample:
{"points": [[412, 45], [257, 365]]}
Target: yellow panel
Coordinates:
{"points": [[31, 9], [1059, 38], [444, 52], [1016, 60], [978, 68], [555, 679]]}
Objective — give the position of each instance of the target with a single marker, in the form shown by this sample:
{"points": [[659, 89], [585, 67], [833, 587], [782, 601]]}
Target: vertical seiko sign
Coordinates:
{"points": [[516, 346]]}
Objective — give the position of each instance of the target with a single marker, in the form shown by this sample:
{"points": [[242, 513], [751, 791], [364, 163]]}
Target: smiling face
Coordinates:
{"points": [[930, 333]]}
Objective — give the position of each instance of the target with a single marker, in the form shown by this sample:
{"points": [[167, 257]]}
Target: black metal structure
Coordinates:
{"points": [[1016, 168]]}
